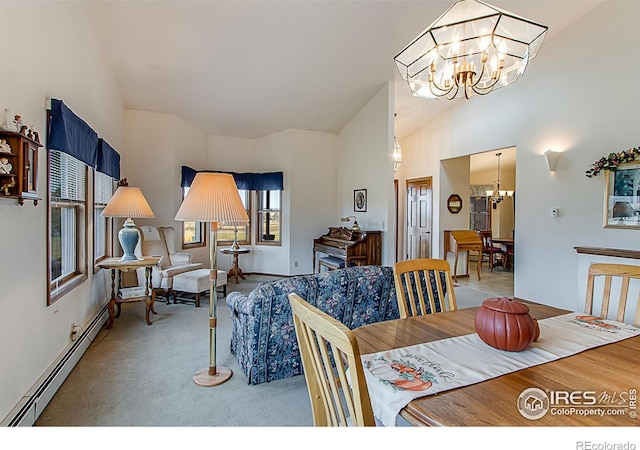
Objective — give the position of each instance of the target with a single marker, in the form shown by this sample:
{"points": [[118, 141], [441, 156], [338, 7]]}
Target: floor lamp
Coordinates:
{"points": [[213, 198]]}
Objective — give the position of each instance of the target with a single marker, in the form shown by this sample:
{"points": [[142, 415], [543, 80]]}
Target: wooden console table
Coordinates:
{"points": [[117, 266], [462, 241]]}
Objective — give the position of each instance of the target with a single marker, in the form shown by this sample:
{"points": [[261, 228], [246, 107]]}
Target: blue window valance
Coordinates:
{"points": [[70, 134], [108, 160], [271, 181]]}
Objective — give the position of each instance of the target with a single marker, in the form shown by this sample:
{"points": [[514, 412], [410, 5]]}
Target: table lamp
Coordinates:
{"points": [[235, 245], [214, 198], [128, 202], [355, 227]]}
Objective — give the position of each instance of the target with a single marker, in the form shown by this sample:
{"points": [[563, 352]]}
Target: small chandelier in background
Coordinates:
{"points": [[473, 48], [497, 195], [397, 155]]}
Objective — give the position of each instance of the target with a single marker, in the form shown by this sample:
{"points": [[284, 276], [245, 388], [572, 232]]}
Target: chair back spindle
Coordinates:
{"points": [[424, 286], [608, 273], [332, 368]]}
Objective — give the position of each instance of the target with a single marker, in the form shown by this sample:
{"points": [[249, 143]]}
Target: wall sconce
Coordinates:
{"points": [[397, 155], [552, 159], [355, 226]]}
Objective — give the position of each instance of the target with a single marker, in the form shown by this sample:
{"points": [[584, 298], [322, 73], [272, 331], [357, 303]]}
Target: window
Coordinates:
{"points": [[269, 218], [67, 223], [226, 234], [103, 189], [192, 232]]}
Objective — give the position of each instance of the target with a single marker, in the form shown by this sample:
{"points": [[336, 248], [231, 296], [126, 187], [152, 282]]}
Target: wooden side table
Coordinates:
{"points": [[235, 270], [117, 266]]}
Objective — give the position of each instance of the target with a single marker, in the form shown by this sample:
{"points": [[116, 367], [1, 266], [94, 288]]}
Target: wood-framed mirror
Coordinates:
{"points": [[454, 204]]}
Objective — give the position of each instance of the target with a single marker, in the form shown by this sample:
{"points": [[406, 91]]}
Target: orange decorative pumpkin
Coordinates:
{"points": [[505, 324]]}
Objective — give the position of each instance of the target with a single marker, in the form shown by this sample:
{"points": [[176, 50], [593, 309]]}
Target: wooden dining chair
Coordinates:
{"points": [[609, 272], [417, 296], [490, 250], [328, 348]]}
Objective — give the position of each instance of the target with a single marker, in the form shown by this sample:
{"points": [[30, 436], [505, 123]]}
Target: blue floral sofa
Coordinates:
{"points": [[263, 337]]}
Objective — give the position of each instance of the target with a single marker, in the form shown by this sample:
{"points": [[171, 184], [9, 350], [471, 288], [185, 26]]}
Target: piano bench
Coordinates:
{"points": [[331, 263]]}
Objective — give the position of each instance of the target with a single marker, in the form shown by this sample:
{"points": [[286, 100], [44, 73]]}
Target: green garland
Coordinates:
{"points": [[613, 160]]}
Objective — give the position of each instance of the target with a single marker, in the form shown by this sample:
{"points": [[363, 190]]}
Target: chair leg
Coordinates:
{"points": [[197, 300]]}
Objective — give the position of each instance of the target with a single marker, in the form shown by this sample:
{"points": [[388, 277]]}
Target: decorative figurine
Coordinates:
{"points": [[18, 121], [23, 130], [30, 133], [4, 146], [36, 137], [5, 187], [9, 124], [5, 166]]}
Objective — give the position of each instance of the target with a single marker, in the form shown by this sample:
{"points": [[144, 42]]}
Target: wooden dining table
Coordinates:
{"points": [[507, 246], [609, 375]]}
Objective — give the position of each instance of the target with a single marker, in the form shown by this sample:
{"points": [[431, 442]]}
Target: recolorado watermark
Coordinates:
{"points": [[534, 403], [589, 445]]}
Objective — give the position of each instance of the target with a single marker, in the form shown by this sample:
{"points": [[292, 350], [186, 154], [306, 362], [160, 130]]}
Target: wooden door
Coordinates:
{"points": [[419, 217]]}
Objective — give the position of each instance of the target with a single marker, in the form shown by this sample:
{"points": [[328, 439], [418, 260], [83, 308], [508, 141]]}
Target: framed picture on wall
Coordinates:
{"points": [[622, 197], [360, 200]]}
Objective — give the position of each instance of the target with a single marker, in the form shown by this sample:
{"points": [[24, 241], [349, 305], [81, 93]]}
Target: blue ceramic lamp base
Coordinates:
{"points": [[128, 237]]}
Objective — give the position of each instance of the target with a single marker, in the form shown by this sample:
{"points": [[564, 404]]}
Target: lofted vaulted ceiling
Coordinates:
{"points": [[252, 68]]}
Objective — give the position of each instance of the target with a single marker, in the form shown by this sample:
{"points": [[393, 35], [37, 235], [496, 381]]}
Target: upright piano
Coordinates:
{"points": [[457, 241], [353, 247]]}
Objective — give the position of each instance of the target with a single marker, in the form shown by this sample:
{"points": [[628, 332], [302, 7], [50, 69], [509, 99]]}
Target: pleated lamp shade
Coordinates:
{"points": [[213, 197], [128, 202]]}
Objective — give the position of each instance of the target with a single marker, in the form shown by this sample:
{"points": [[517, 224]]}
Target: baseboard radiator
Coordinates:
{"points": [[34, 402]]}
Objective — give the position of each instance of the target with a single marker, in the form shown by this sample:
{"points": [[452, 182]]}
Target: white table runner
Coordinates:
{"points": [[396, 377]]}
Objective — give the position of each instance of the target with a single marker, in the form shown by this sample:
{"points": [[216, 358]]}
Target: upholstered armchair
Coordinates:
{"points": [[160, 241]]}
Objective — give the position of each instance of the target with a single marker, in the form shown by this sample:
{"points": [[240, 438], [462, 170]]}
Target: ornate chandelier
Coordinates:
{"points": [[497, 195], [473, 48]]}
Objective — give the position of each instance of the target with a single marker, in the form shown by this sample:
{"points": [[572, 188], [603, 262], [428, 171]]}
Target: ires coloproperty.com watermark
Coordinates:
{"points": [[534, 403]]}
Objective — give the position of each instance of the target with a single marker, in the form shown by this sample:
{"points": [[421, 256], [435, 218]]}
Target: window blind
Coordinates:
{"points": [[68, 177], [103, 188]]}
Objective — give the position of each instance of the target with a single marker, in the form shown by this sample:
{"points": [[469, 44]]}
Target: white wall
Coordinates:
{"points": [[157, 145], [48, 50], [365, 161], [565, 102], [313, 194], [164, 142], [454, 179], [307, 160]]}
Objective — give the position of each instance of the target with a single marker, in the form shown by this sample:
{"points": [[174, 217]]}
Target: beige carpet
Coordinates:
{"points": [[139, 375]]}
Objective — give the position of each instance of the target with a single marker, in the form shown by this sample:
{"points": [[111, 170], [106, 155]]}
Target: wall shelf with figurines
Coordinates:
{"points": [[18, 160]]}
